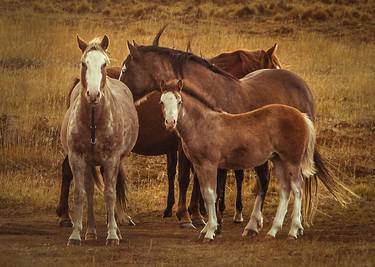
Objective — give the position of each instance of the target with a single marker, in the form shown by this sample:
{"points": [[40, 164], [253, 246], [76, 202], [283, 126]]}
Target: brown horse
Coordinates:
{"points": [[157, 141], [274, 132], [100, 128], [146, 66]]}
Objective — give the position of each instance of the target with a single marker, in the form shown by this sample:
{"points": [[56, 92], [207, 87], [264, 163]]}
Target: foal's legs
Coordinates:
{"points": [[91, 227], [62, 209], [296, 229], [184, 166], [282, 172], [171, 166], [207, 176], [221, 183], [196, 216], [79, 169], [239, 180]]}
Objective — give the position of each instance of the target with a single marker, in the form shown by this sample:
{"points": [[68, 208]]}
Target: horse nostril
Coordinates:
{"points": [[98, 94], [87, 93]]}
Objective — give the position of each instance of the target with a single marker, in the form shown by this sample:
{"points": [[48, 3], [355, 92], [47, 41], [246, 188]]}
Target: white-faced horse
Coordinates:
{"points": [[100, 128]]}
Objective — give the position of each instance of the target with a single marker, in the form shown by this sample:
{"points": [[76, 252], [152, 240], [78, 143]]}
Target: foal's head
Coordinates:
{"points": [[93, 63], [171, 102]]}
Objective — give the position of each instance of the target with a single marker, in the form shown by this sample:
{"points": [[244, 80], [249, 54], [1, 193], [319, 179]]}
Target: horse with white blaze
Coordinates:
{"points": [[100, 128], [215, 139]]}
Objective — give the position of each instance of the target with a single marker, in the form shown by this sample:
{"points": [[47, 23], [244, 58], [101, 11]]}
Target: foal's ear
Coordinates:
{"points": [[105, 42], [180, 85], [81, 44], [272, 50], [133, 50]]}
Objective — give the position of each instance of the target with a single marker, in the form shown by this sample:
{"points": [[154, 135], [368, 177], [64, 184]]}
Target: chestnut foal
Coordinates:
{"points": [[274, 132]]}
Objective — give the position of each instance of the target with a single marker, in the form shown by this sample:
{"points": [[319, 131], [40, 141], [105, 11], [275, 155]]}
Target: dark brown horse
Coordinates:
{"points": [[146, 66], [154, 140]]}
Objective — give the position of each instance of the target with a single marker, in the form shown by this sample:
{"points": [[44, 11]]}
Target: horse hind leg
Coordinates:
{"points": [[171, 170], [296, 229], [281, 171], [62, 209], [238, 218]]}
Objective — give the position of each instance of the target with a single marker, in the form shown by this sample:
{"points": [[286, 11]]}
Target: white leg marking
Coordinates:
{"points": [[296, 227], [256, 219]]}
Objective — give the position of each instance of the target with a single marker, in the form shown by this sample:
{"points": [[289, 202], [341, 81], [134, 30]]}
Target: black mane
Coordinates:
{"points": [[179, 58]]}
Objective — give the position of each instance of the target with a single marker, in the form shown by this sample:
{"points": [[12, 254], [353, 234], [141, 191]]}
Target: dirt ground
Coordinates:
{"points": [[346, 237]]}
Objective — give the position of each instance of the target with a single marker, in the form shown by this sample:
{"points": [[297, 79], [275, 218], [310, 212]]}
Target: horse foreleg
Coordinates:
{"points": [[79, 169], [263, 181], [184, 166], [62, 209], [194, 206], [111, 169], [91, 227], [207, 176], [239, 174], [171, 170]]}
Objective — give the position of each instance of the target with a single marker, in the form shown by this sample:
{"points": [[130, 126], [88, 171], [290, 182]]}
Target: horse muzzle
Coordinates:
{"points": [[170, 124]]}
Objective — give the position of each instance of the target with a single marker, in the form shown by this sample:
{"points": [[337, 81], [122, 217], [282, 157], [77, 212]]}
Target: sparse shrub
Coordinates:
{"points": [[284, 6], [106, 11], [83, 7], [246, 12], [320, 15]]}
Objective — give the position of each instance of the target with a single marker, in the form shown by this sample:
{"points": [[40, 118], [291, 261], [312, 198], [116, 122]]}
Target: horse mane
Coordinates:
{"points": [[179, 58]]}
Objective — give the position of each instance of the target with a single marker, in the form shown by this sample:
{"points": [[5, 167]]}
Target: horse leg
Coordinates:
{"points": [[80, 169], [184, 166], [111, 169], [296, 229], [221, 183], [281, 172], [239, 180], [91, 227], [256, 219], [194, 209], [207, 176], [171, 165], [62, 209]]}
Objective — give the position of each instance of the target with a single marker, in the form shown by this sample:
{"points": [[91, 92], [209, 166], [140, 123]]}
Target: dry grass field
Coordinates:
{"points": [[330, 43]]}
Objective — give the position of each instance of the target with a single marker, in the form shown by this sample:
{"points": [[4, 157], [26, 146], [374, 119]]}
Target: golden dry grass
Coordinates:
{"points": [[39, 57]]}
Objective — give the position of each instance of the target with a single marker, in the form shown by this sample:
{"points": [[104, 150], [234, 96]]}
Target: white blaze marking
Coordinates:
{"points": [[94, 61], [170, 106]]}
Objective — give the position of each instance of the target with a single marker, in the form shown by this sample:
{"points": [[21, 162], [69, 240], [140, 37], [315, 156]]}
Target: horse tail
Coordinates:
{"points": [[74, 83], [308, 170], [313, 168]]}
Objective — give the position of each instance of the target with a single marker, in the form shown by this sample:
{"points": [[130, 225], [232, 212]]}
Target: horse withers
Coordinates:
{"points": [[274, 132], [100, 128]]}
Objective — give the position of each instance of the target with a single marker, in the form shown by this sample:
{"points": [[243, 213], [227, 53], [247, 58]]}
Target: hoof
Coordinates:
{"points": [[207, 240], [113, 242], [90, 236], [237, 218], [66, 222], [74, 243], [218, 230], [131, 222], [238, 221], [167, 213], [187, 226], [249, 233], [269, 237], [197, 222]]}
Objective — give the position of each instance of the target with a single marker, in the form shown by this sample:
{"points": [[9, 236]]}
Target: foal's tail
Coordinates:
{"points": [[313, 168]]}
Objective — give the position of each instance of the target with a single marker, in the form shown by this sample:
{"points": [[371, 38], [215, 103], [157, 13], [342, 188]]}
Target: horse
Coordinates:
{"points": [[100, 128], [160, 142], [273, 132], [146, 66]]}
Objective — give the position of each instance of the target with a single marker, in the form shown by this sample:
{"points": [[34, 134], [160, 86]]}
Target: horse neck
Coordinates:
{"points": [[191, 115], [223, 92], [101, 109]]}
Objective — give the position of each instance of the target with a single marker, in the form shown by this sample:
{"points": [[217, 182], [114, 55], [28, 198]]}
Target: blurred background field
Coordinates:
{"points": [[330, 43]]}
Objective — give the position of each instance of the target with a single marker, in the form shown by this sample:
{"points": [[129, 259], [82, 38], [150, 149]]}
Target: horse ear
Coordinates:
{"points": [[133, 50], [180, 85], [81, 44], [157, 37], [135, 44], [162, 86], [272, 50], [188, 47], [105, 42]]}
